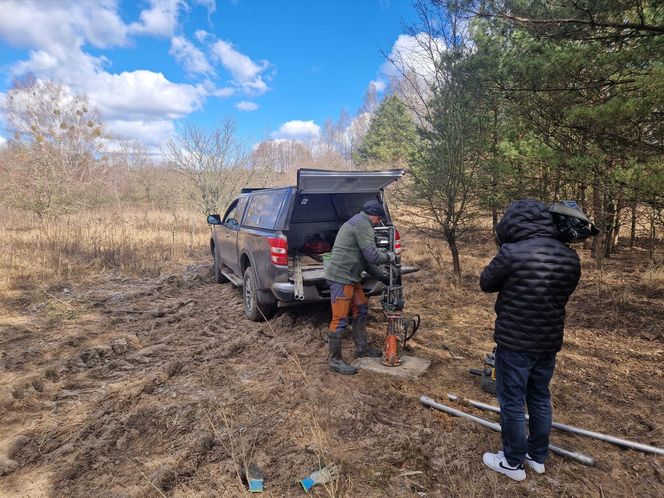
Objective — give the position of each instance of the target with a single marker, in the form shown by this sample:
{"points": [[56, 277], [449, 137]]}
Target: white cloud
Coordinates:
{"points": [[379, 85], [417, 54], [159, 20], [210, 5], [58, 24], [143, 95], [222, 92], [148, 132], [141, 104], [193, 60], [297, 130], [201, 35], [246, 73], [246, 106], [139, 95]]}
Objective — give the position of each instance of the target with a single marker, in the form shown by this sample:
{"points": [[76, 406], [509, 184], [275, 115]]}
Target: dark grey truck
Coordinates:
{"points": [[273, 242]]}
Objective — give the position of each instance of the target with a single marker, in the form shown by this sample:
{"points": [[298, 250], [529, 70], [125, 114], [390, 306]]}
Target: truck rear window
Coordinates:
{"points": [[264, 209]]}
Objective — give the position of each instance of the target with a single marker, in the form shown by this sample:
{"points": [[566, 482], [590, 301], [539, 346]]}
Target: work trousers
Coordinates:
{"points": [[523, 378], [344, 298]]}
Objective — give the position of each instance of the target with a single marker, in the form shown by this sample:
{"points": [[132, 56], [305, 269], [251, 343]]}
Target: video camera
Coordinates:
{"points": [[572, 225]]}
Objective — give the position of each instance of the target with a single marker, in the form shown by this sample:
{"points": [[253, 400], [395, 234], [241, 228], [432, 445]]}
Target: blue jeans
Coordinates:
{"points": [[523, 378]]}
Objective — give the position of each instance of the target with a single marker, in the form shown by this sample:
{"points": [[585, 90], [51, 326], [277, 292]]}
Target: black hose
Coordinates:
{"points": [[413, 322]]}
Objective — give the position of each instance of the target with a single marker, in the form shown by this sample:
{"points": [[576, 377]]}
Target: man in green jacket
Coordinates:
{"points": [[354, 251]]}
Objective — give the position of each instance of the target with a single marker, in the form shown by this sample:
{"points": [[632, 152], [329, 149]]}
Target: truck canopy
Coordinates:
{"points": [[318, 181]]}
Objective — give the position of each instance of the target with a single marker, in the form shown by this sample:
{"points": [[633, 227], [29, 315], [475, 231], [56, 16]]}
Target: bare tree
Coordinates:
{"points": [[370, 100], [216, 163], [54, 158], [281, 155]]}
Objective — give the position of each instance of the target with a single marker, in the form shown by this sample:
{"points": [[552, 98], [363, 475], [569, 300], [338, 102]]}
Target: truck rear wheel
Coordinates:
{"points": [[258, 305]]}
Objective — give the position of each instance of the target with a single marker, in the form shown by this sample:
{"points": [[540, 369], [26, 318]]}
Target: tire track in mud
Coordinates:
{"points": [[98, 378], [164, 387], [141, 395]]}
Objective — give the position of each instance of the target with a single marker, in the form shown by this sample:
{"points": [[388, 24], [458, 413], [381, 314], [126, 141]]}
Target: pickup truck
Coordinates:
{"points": [[272, 242]]}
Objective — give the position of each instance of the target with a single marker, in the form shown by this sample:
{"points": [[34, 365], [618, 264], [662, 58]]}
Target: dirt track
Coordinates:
{"points": [[162, 387]]}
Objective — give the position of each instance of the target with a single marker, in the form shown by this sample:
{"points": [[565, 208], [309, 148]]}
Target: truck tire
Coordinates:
{"points": [[219, 277], [258, 305]]}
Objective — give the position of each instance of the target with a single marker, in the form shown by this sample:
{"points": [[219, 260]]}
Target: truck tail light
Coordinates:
{"points": [[397, 242], [278, 251]]}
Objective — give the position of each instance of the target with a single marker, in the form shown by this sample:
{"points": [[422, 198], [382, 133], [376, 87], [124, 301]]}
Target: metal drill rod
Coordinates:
{"points": [[579, 457], [576, 430]]}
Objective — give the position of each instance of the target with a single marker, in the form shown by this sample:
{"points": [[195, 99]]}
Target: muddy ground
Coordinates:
{"points": [[160, 387]]}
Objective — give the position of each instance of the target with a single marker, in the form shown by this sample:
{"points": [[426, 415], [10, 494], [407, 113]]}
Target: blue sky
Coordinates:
{"points": [[280, 68]]}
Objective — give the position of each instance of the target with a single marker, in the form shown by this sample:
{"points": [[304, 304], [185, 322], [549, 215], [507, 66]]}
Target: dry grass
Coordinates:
{"points": [[198, 391], [138, 241]]}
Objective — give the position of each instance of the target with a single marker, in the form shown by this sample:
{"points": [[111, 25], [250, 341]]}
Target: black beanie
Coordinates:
{"points": [[373, 208]]}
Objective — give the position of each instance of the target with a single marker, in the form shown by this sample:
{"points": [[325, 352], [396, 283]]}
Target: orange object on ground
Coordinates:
{"points": [[390, 355]]}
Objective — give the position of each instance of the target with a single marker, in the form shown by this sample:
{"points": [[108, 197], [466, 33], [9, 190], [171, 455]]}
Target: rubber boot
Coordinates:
{"points": [[362, 347], [337, 363]]}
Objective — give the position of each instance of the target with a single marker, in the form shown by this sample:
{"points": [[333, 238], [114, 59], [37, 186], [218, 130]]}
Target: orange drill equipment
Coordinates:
{"points": [[392, 301]]}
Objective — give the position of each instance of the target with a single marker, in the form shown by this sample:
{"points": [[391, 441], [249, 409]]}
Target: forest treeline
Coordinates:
{"points": [[495, 100]]}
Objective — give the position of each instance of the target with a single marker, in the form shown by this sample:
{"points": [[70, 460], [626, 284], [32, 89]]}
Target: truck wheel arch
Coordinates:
{"points": [[245, 262]]}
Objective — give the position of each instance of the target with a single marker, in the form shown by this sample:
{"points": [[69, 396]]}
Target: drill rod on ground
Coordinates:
{"points": [[570, 428], [579, 457]]}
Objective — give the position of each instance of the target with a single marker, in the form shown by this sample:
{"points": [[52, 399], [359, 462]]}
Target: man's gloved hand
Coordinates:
{"points": [[392, 256], [385, 278], [322, 476]]}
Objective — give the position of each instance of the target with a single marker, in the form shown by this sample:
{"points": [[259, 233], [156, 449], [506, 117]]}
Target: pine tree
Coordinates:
{"points": [[391, 137]]}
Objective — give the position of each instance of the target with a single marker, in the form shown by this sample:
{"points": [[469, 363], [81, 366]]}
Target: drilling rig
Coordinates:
{"points": [[399, 330]]}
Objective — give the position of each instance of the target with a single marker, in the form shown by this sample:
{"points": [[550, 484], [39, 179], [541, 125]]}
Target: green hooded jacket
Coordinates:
{"points": [[355, 251]]}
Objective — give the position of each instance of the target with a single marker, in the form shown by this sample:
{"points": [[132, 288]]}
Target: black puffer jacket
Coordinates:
{"points": [[534, 275]]}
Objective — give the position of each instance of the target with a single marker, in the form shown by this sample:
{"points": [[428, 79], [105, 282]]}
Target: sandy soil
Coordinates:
{"points": [[161, 387]]}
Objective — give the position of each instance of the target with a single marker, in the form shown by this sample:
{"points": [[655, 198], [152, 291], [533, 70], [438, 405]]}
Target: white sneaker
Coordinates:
{"points": [[536, 467], [497, 462]]}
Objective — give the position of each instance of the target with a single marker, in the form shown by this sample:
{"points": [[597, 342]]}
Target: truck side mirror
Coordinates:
{"points": [[214, 219]]}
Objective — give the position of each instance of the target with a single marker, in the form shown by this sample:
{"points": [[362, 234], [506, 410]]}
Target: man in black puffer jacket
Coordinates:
{"points": [[534, 274]]}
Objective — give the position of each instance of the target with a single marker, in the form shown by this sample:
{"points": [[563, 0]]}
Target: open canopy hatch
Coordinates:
{"points": [[319, 181]]}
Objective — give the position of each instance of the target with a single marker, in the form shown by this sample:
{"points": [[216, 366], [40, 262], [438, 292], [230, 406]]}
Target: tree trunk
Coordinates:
{"points": [[598, 214], [608, 223], [632, 232], [494, 179], [454, 249], [494, 220], [582, 197], [617, 224], [653, 234]]}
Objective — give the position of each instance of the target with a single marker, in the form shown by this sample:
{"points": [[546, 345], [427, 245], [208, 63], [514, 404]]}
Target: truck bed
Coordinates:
{"points": [[315, 273]]}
